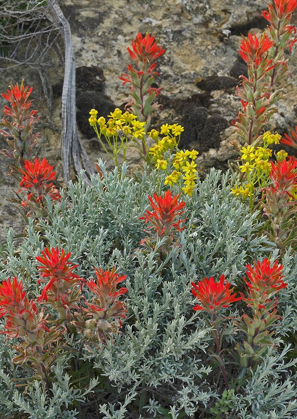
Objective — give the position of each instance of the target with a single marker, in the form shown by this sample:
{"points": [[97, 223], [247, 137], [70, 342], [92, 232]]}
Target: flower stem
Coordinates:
{"points": [[217, 341]]}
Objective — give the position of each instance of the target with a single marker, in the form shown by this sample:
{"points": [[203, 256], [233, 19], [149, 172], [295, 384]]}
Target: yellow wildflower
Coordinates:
{"points": [[246, 168], [127, 117], [263, 153], [161, 164], [190, 177], [235, 190], [176, 175], [179, 159], [170, 141], [165, 129], [177, 129], [139, 134], [103, 130], [110, 132], [193, 154], [116, 114], [163, 145], [189, 167], [154, 134], [155, 151], [247, 191], [101, 121], [181, 154], [270, 138], [244, 192], [93, 112], [263, 165], [248, 153], [92, 121], [172, 178], [126, 130], [188, 190], [111, 123], [137, 125], [281, 155], [168, 180]]}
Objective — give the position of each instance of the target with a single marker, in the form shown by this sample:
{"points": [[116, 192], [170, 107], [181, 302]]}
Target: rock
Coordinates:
{"points": [[87, 100], [217, 83]]}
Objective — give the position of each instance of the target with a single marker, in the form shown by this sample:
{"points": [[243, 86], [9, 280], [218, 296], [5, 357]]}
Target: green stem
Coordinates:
{"points": [[217, 341], [275, 53]]}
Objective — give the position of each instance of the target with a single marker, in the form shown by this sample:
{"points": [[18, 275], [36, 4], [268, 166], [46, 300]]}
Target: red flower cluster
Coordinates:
{"points": [[213, 295], [105, 286], [61, 278], [20, 126], [97, 319], [37, 180], [38, 174], [145, 49], [280, 8], [252, 49], [290, 140], [284, 175], [18, 96], [144, 53], [165, 211], [264, 278], [22, 317], [105, 311]]}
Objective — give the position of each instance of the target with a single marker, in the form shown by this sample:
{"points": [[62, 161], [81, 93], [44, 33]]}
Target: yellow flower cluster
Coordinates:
{"points": [[255, 157], [281, 155], [245, 192], [118, 124], [183, 162], [269, 138], [256, 165]]}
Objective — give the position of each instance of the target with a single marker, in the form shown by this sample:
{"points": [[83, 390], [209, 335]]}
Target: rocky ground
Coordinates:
{"points": [[198, 73]]}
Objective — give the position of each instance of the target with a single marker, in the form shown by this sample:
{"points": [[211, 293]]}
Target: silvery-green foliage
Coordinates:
{"points": [[111, 412], [35, 402], [271, 392], [288, 295], [165, 344], [221, 234], [161, 359], [7, 374]]}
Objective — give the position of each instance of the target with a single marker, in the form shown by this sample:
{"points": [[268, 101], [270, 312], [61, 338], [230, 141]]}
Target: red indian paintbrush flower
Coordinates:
{"points": [[11, 296], [18, 127], [290, 140], [37, 178], [264, 278], [105, 286], [37, 174], [165, 211], [21, 315], [253, 48], [283, 174], [105, 312], [213, 295], [59, 270], [145, 52], [145, 49], [282, 8], [18, 94], [141, 76]]}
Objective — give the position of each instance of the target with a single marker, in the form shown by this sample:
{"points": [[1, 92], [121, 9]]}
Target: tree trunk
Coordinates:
{"points": [[71, 145]]}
